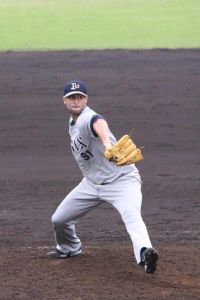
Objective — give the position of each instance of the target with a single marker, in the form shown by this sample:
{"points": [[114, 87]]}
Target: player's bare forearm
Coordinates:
{"points": [[101, 129]]}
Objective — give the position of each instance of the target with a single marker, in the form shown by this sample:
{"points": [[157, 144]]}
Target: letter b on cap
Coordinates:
{"points": [[75, 86]]}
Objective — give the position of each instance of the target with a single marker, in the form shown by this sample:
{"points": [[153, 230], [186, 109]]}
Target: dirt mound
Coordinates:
{"points": [[157, 93]]}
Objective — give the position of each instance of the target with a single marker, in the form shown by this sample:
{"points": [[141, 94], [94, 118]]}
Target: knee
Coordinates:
{"points": [[56, 221], [59, 219]]}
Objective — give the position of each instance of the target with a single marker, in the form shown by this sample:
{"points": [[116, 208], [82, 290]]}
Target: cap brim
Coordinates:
{"points": [[73, 93]]}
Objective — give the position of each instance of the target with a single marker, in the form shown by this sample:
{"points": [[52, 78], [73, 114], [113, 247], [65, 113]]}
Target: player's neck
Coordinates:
{"points": [[75, 116]]}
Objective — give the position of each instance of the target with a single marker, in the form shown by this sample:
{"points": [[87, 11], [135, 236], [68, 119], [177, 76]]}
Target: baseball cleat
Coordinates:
{"points": [[149, 257], [59, 254]]}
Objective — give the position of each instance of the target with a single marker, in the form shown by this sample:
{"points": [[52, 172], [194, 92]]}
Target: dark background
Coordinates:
{"points": [[155, 92]]}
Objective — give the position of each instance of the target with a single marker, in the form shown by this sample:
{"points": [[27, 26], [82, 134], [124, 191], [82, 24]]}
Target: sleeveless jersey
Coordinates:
{"points": [[88, 151]]}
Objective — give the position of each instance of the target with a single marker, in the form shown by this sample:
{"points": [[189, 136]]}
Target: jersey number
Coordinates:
{"points": [[86, 155]]}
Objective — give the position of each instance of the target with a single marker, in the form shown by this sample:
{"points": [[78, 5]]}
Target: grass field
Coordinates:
{"points": [[99, 24]]}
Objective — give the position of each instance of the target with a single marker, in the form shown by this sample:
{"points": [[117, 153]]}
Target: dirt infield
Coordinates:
{"points": [[156, 92]]}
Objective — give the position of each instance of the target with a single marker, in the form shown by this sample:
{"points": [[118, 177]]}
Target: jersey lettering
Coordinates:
{"points": [[86, 155], [78, 146], [78, 139]]}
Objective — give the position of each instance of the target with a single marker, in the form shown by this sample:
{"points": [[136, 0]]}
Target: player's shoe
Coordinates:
{"points": [[149, 257], [59, 254]]}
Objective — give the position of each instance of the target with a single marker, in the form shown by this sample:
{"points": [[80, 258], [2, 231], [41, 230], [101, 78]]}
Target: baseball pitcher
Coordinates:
{"points": [[109, 174]]}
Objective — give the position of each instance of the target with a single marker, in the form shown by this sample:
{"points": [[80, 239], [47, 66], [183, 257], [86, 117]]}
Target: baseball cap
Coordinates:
{"points": [[75, 87]]}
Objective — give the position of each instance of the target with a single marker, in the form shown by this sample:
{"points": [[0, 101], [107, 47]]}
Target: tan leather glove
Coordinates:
{"points": [[124, 152]]}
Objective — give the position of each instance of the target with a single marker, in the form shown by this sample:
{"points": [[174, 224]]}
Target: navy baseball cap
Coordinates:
{"points": [[75, 87]]}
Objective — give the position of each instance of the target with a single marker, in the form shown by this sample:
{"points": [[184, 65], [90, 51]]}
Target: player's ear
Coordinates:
{"points": [[64, 99]]}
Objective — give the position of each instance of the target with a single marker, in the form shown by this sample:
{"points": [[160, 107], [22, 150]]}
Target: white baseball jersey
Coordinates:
{"points": [[88, 151]]}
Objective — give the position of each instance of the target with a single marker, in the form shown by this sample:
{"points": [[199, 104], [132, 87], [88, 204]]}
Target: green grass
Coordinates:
{"points": [[99, 24]]}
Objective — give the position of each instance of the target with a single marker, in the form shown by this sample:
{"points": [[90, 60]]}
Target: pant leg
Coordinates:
{"points": [[77, 203], [125, 195]]}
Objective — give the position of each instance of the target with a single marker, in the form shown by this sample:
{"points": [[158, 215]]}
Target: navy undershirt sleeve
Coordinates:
{"points": [[93, 120]]}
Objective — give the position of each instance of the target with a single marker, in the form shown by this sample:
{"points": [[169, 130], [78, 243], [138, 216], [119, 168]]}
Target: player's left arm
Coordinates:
{"points": [[124, 152], [102, 131]]}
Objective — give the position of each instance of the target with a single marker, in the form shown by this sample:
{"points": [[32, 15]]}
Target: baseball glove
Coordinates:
{"points": [[124, 152]]}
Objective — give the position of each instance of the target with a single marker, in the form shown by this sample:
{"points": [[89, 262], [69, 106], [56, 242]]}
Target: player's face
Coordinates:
{"points": [[75, 103]]}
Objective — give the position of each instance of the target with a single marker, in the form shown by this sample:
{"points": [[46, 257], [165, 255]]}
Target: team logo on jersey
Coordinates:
{"points": [[75, 86], [78, 146]]}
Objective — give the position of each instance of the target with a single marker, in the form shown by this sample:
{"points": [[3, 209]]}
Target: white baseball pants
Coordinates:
{"points": [[124, 194]]}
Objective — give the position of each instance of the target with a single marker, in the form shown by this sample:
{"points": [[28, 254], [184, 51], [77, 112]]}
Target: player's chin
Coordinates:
{"points": [[76, 111]]}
